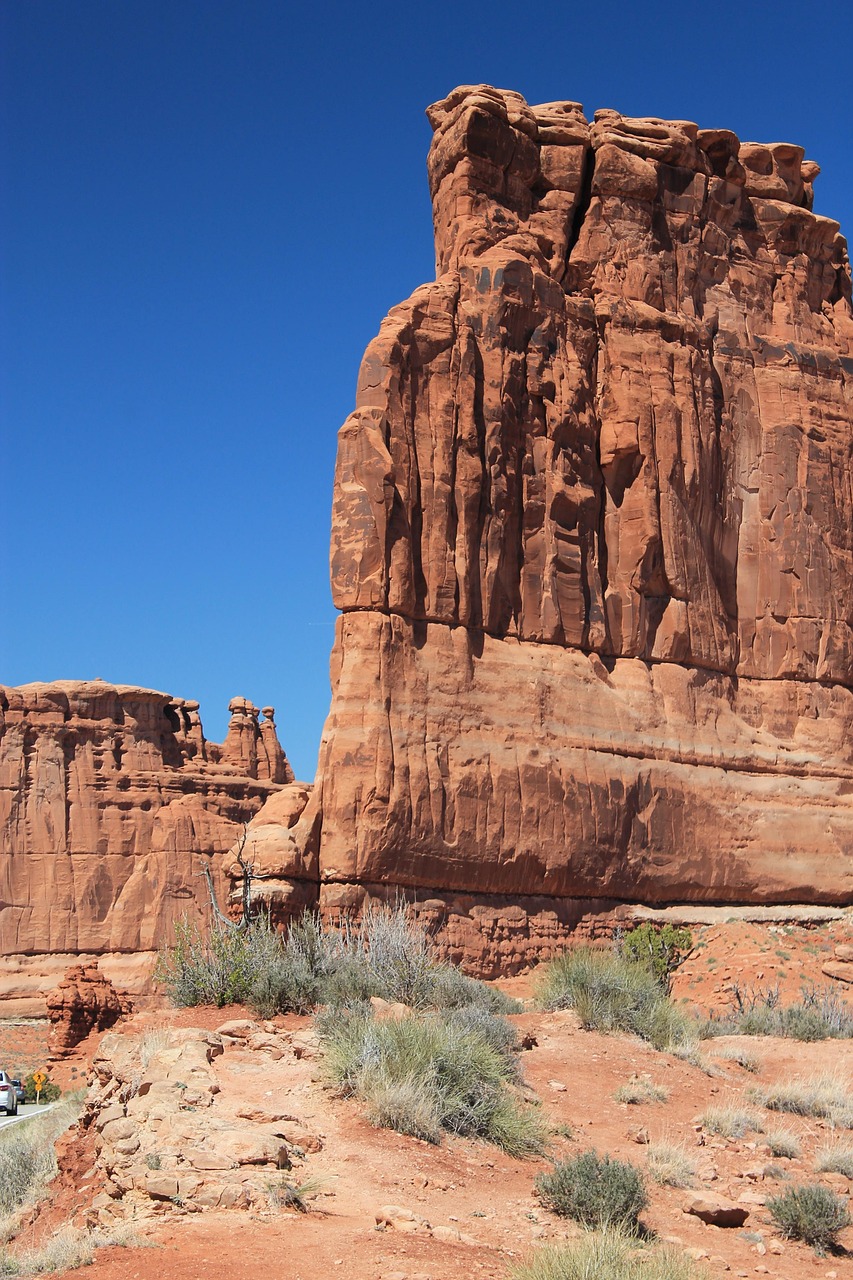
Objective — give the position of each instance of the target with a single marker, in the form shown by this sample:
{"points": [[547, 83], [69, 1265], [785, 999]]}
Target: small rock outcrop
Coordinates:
{"points": [[169, 1138], [84, 1001]]}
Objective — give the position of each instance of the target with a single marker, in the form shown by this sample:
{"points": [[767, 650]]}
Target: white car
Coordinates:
{"points": [[8, 1096]]}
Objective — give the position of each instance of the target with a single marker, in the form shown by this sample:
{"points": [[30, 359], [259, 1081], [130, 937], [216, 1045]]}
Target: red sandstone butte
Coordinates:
{"points": [[592, 539], [110, 801]]}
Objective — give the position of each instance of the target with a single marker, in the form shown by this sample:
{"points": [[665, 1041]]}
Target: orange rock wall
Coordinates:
{"points": [[110, 800], [593, 529]]}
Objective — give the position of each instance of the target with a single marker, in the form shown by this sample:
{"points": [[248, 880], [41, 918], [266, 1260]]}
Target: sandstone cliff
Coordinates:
{"points": [[110, 800], [593, 535]]}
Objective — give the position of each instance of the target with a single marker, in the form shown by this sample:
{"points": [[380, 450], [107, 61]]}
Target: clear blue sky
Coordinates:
{"points": [[210, 206]]}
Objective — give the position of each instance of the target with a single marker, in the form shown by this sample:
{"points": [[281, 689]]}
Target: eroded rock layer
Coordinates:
{"points": [[111, 801], [593, 529]]}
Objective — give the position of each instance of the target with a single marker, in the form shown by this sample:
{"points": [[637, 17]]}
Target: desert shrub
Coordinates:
{"points": [[661, 949], [428, 1073], [783, 1144], [605, 1255], [27, 1159], [836, 1158], [611, 993], [594, 1190], [386, 953], [641, 1089], [819, 1014], [65, 1250], [823, 1097], [810, 1213], [670, 1164], [219, 967], [731, 1121]]}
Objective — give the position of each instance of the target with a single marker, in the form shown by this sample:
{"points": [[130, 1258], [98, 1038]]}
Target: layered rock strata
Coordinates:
{"points": [[111, 800], [592, 533]]}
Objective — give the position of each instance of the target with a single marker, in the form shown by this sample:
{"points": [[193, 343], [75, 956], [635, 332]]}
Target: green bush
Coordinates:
{"points": [[219, 967], [50, 1091], [594, 1190], [810, 1213], [605, 1255], [611, 993], [428, 1073], [660, 949], [819, 1014]]}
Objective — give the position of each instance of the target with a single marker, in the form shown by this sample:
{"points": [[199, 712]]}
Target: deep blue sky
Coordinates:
{"points": [[210, 205]]}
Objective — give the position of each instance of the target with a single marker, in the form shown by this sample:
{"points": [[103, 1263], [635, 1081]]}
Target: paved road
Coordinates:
{"points": [[24, 1110]]}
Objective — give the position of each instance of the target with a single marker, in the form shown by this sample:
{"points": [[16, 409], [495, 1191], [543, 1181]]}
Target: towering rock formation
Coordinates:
{"points": [[110, 801], [593, 535]]}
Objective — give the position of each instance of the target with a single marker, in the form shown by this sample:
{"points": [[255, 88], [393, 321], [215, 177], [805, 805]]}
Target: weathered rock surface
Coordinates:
{"points": [[110, 799], [84, 1001], [170, 1137], [593, 532]]}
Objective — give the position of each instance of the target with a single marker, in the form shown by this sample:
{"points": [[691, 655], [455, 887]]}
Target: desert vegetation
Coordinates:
{"points": [[605, 1255], [612, 992], [822, 1097], [445, 1062], [810, 1213], [819, 1014], [596, 1191]]}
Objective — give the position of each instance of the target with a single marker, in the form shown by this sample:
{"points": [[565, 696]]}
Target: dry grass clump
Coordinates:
{"points": [[744, 1058], [670, 1164], [67, 1249], [605, 1255], [611, 993], [836, 1157], [641, 1089], [783, 1143], [731, 1121], [822, 1097], [433, 1072]]}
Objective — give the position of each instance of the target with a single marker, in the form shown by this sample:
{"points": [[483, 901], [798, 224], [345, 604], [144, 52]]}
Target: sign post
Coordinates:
{"points": [[39, 1080]]}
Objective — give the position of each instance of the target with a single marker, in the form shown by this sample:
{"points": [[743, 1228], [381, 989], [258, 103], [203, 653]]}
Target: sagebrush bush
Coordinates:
{"points": [[386, 953], [431, 1072], [594, 1190], [605, 1255], [810, 1213], [611, 993], [819, 1014]]}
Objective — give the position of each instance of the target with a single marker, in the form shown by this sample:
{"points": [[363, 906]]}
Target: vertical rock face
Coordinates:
{"points": [[110, 800], [593, 530]]}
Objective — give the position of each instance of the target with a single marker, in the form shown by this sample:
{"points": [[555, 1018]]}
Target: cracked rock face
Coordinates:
{"points": [[592, 533]]}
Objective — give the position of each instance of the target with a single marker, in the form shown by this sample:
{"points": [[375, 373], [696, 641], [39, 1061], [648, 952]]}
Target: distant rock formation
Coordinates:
{"points": [[592, 537], [110, 798]]}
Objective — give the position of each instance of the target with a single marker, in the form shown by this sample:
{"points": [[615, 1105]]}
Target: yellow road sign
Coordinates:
{"points": [[39, 1080]]}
